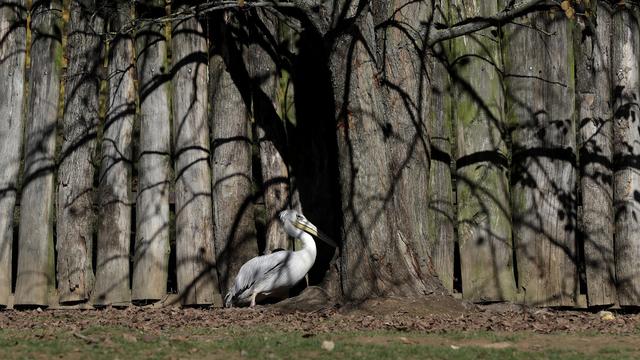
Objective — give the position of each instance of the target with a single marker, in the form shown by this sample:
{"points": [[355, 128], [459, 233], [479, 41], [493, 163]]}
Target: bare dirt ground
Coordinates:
{"points": [[432, 315], [508, 326]]}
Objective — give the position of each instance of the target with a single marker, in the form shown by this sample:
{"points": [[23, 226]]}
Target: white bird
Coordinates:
{"points": [[280, 270]]}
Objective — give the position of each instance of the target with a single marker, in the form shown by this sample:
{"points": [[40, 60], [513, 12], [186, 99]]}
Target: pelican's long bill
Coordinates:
{"points": [[305, 225]]}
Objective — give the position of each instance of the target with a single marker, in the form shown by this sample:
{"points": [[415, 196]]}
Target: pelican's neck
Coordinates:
{"points": [[308, 246]]}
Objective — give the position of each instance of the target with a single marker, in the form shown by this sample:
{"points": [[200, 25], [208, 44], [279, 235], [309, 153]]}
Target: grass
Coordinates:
{"points": [[104, 342]]}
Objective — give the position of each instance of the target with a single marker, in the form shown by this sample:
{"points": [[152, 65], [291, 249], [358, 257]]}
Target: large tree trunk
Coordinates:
{"points": [[406, 94], [112, 268], [13, 43], [195, 251], [235, 233], [35, 276], [593, 87], [625, 52], [540, 87], [484, 214], [151, 261], [373, 262], [75, 177]]}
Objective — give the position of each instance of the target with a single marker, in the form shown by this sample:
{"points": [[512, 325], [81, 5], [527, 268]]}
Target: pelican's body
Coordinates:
{"points": [[280, 270]]}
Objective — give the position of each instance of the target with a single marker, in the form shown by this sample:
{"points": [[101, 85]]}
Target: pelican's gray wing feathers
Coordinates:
{"points": [[256, 271]]}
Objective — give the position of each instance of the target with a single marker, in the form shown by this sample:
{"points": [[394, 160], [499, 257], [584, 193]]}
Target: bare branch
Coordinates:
{"points": [[469, 26], [202, 9]]}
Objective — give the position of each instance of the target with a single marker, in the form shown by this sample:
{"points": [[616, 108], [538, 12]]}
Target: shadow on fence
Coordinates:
{"points": [[404, 152]]}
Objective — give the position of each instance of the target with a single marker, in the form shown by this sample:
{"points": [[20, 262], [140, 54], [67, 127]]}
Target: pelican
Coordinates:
{"points": [[279, 270]]}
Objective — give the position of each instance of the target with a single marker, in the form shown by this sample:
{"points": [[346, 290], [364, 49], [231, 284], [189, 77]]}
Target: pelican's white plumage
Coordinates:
{"points": [[280, 270]]}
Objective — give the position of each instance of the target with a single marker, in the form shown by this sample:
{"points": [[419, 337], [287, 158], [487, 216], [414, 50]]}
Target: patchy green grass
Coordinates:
{"points": [[100, 342]]}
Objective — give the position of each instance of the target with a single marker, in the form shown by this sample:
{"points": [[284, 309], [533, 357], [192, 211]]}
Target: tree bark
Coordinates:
{"points": [[484, 214], [151, 261], [593, 87], [235, 232], [13, 45], [540, 90], [625, 51], [112, 268], [195, 251], [372, 253], [75, 175], [406, 93], [35, 277]]}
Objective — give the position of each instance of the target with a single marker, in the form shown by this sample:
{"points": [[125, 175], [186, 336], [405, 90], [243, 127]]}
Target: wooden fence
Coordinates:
{"points": [[535, 151], [108, 199]]}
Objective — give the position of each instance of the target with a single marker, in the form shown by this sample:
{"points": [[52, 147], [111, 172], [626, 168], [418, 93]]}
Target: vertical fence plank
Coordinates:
{"points": [[441, 213], [625, 52], [13, 43], [270, 128], [540, 87], [235, 234], [593, 91], [35, 276], [75, 174], [197, 278], [151, 261], [484, 216], [114, 231]]}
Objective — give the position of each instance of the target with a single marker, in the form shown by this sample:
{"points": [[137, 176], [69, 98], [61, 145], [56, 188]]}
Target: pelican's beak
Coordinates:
{"points": [[306, 225]]}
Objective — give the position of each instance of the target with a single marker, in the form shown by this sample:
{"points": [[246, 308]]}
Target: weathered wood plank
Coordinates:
{"points": [[269, 128], [441, 212], [35, 277], [151, 259], [484, 214], [625, 54], [406, 96], [114, 229], [195, 251], [75, 175], [541, 99], [593, 91], [235, 233], [13, 45]]}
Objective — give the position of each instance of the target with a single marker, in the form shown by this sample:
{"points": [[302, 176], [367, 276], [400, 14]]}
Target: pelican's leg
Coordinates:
{"points": [[253, 299]]}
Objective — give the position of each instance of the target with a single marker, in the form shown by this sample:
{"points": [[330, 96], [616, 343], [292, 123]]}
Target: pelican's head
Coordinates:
{"points": [[295, 224]]}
